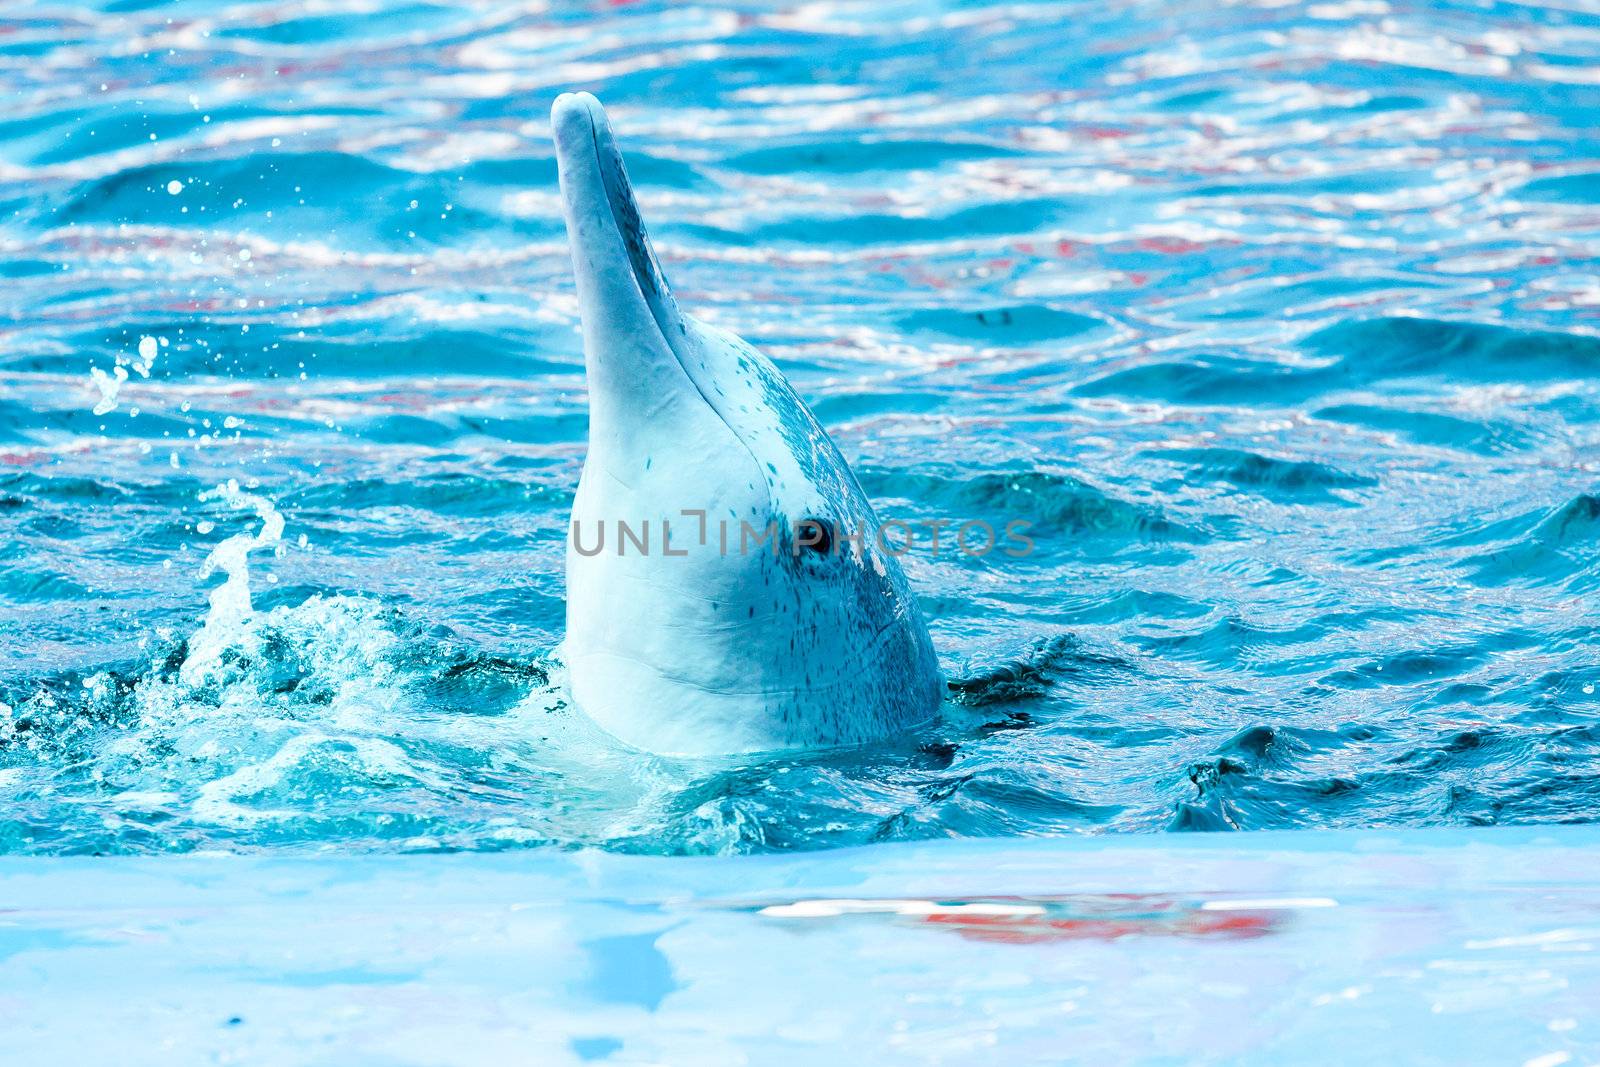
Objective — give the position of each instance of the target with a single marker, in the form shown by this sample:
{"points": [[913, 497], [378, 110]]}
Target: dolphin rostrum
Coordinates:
{"points": [[727, 588]]}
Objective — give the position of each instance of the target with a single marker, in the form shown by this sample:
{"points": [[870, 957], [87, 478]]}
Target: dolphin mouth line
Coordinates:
{"points": [[648, 277], [625, 219]]}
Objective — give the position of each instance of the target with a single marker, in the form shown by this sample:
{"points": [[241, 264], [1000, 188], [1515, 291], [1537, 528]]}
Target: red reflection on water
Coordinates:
{"points": [[1031, 929], [1038, 920]]}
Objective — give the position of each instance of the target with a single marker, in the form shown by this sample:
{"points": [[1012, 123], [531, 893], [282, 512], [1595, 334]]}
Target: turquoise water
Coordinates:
{"points": [[1276, 322]]}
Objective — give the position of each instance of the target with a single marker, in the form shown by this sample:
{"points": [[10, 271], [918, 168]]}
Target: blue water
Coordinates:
{"points": [[1278, 323]]}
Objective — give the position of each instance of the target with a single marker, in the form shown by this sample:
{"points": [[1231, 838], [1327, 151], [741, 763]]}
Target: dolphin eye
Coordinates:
{"points": [[815, 535]]}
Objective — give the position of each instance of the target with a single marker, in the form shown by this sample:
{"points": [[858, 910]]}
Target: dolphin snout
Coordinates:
{"points": [[624, 303], [574, 119]]}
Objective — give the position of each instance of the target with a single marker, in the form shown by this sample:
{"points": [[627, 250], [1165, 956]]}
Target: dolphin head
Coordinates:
{"points": [[726, 588]]}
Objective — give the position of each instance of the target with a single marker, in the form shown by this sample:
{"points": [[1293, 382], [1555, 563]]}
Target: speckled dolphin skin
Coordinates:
{"points": [[743, 642]]}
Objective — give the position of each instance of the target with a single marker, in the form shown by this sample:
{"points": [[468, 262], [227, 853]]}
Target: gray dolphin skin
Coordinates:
{"points": [[726, 588]]}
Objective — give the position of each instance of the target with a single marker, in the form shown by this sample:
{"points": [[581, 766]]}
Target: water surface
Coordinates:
{"points": [[1276, 322]]}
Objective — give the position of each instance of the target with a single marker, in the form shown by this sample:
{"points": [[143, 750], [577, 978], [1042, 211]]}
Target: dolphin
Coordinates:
{"points": [[727, 588]]}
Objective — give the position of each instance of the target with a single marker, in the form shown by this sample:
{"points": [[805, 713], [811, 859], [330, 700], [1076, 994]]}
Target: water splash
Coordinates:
{"points": [[230, 607], [110, 385]]}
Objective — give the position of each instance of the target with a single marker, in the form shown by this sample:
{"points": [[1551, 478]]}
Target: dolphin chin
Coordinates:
{"points": [[726, 589]]}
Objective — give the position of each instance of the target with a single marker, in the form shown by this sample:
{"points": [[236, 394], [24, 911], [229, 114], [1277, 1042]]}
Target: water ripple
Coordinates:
{"points": [[1276, 324]]}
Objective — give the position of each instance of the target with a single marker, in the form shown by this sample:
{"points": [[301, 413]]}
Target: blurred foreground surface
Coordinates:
{"points": [[1431, 947]]}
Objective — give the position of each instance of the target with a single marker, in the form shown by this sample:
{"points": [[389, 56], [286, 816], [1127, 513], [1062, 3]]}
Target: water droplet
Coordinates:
{"points": [[174, 187]]}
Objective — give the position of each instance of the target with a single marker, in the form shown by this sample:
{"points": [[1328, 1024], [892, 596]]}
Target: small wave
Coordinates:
{"points": [[1357, 354], [269, 199], [1231, 641], [1029, 674], [204, 346], [1210, 379], [1481, 434], [1428, 666], [1286, 479], [459, 493], [1055, 504], [1274, 776], [859, 156], [1012, 218], [1376, 349], [1557, 547]]}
